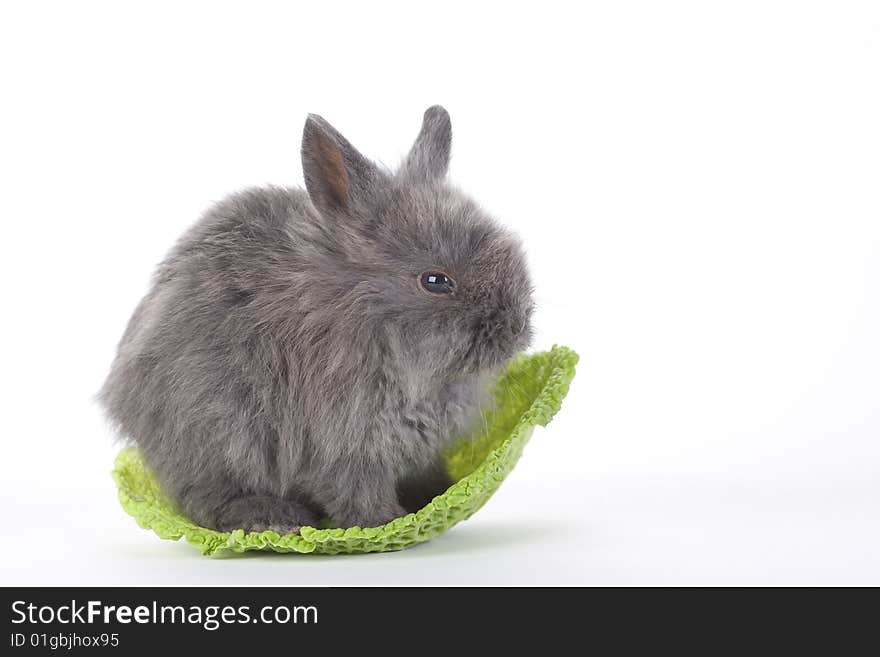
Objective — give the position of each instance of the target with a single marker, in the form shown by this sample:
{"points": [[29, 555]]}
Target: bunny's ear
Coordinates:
{"points": [[429, 157], [336, 174]]}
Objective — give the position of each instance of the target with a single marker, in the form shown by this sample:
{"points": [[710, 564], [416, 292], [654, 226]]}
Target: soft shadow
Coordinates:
{"points": [[458, 541], [479, 540]]}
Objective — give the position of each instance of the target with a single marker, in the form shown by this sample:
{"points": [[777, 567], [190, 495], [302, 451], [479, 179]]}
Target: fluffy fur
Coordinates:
{"points": [[287, 365]]}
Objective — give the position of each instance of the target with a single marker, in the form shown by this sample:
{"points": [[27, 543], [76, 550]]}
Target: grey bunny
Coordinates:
{"points": [[308, 355]]}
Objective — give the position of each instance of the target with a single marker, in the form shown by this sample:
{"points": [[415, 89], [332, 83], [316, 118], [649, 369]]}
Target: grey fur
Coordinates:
{"points": [[286, 365], [428, 159]]}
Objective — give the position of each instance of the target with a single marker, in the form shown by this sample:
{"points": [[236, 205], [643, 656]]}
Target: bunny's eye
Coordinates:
{"points": [[436, 282]]}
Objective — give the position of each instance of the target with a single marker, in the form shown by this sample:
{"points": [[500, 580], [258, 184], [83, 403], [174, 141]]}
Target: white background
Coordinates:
{"points": [[697, 186]]}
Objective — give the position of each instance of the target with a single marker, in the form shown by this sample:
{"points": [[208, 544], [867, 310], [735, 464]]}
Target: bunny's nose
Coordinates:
{"points": [[521, 321], [505, 323]]}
